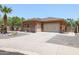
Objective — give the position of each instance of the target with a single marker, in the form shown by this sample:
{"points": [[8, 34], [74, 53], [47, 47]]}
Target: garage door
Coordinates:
{"points": [[51, 27]]}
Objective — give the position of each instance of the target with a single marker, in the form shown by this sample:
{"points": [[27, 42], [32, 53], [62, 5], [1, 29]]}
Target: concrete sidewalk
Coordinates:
{"points": [[36, 43]]}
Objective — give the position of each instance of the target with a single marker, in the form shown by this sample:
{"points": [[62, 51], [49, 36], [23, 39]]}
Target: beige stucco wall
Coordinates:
{"points": [[51, 27], [38, 27]]}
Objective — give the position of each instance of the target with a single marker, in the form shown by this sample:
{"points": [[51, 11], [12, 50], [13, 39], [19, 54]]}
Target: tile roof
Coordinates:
{"points": [[46, 19]]}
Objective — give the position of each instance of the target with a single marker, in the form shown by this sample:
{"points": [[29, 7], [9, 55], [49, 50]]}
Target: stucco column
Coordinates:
{"points": [[62, 28], [38, 27]]}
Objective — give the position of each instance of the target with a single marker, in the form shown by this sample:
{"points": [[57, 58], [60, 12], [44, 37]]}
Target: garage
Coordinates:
{"points": [[51, 27]]}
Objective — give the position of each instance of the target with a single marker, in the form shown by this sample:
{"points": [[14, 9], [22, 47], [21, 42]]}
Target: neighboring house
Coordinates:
{"points": [[45, 25]]}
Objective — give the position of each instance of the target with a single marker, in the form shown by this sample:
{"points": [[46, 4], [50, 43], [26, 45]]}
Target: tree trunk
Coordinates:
{"points": [[5, 23]]}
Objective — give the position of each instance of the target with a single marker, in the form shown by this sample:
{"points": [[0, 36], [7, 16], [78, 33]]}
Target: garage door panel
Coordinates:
{"points": [[51, 27]]}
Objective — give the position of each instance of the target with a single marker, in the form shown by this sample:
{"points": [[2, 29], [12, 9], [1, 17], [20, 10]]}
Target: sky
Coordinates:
{"points": [[45, 10]]}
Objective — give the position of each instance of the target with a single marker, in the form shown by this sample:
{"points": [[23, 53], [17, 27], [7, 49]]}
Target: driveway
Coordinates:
{"points": [[41, 43]]}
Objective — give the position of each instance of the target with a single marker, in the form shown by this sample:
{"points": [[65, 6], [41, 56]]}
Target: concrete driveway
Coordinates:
{"points": [[40, 43]]}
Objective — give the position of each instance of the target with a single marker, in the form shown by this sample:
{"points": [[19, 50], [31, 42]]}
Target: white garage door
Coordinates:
{"points": [[51, 27]]}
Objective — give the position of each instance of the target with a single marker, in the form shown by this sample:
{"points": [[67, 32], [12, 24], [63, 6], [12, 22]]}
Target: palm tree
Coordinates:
{"points": [[77, 26], [0, 7], [15, 22], [71, 23], [5, 10], [22, 19]]}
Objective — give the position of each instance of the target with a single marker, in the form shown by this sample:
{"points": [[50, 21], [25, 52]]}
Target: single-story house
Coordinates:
{"points": [[45, 25]]}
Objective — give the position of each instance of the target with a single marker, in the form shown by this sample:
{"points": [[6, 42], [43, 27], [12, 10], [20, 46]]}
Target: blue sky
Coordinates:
{"points": [[45, 10]]}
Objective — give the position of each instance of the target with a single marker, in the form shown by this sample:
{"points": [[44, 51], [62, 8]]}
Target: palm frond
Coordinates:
{"points": [[6, 9], [0, 6]]}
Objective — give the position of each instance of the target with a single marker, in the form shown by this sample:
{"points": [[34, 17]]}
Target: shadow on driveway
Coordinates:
{"points": [[2, 52], [72, 41]]}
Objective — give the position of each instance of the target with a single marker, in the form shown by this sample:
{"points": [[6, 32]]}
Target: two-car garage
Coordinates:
{"points": [[51, 27]]}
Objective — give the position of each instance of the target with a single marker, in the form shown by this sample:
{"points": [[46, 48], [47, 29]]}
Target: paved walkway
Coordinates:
{"points": [[37, 43]]}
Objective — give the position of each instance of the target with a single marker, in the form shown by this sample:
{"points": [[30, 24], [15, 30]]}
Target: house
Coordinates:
{"points": [[45, 25]]}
